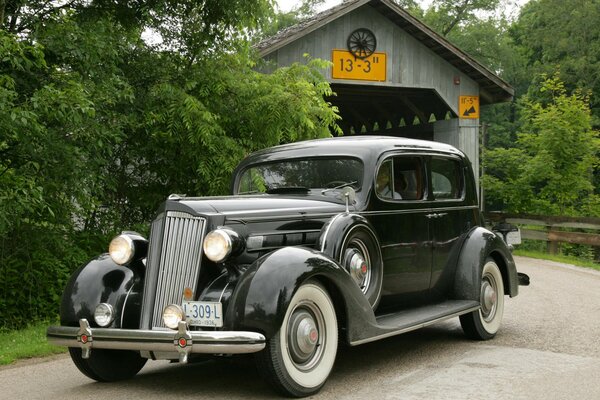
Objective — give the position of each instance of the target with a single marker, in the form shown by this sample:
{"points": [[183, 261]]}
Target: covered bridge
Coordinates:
{"points": [[392, 74]]}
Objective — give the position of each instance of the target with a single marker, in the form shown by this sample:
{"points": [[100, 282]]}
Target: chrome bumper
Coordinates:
{"points": [[182, 341]]}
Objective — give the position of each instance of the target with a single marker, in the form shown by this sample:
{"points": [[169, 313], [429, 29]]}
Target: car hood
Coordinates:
{"points": [[247, 207]]}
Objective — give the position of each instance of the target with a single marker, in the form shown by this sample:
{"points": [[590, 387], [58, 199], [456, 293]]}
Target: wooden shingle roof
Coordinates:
{"points": [[493, 89]]}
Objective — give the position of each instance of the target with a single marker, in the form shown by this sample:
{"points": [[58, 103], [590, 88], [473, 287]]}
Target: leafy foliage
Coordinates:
{"points": [[446, 15], [563, 35], [97, 127], [550, 170]]}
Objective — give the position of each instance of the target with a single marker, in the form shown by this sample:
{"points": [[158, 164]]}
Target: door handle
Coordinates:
{"points": [[435, 215]]}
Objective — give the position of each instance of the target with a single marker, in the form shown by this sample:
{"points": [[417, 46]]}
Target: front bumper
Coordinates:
{"points": [[182, 341]]}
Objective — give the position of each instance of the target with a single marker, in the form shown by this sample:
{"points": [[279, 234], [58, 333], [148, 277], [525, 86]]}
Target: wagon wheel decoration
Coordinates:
{"points": [[362, 43]]}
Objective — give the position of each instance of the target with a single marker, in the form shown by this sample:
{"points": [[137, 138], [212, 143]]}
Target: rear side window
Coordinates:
{"points": [[401, 178], [446, 179]]}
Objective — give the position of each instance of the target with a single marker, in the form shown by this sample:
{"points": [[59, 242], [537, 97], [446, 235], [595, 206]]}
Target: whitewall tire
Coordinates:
{"points": [[484, 323], [299, 357]]}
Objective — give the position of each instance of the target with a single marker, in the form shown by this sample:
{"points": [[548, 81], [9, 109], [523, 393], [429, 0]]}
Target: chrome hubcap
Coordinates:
{"points": [[358, 267], [304, 338], [359, 264], [489, 298]]}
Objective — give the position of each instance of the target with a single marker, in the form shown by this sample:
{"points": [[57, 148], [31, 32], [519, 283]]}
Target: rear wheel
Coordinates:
{"points": [[108, 365], [485, 322], [299, 357]]}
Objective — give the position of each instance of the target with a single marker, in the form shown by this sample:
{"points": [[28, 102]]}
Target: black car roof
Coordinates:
{"points": [[359, 146]]}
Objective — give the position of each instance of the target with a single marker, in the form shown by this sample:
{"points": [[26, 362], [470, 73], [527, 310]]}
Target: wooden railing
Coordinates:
{"points": [[554, 230]]}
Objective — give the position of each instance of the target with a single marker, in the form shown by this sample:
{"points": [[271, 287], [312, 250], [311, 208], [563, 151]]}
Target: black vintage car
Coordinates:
{"points": [[326, 241]]}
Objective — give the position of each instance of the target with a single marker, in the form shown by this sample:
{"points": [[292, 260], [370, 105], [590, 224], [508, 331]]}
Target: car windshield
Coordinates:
{"points": [[300, 176]]}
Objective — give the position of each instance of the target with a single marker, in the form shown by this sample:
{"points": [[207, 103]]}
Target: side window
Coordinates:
{"points": [[446, 179], [401, 178], [383, 184], [408, 178]]}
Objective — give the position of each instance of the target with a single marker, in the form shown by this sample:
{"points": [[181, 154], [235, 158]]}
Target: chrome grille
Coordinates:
{"points": [[173, 263]]}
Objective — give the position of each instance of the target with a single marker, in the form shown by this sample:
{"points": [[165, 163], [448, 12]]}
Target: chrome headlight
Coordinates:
{"points": [[218, 245], [121, 249], [104, 314], [172, 315], [128, 246]]}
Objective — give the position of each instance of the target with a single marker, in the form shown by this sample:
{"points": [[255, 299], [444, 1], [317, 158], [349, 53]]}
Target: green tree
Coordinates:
{"points": [[199, 122], [551, 170], [564, 35], [97, 127], [446, 15]]}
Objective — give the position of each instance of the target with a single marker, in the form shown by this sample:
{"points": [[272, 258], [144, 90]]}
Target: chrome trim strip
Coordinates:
{"points": [[327, 231], [125, 303], [430, 203], [207, 342], [414, 327], [294, 217], [288, 232], [417, 210]]}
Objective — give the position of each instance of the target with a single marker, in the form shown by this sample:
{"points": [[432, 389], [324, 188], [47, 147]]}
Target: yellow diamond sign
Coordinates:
{"points": [[468, 107]]}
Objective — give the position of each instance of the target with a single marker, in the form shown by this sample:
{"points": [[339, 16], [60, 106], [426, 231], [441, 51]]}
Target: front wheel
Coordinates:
{"points": [[108, 365], [299, 357], [485, 322]]}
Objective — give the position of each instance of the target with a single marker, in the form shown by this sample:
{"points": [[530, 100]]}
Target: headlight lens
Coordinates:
{"points": [[217, 245], [104, 314], [121, 249], [172, 315]]}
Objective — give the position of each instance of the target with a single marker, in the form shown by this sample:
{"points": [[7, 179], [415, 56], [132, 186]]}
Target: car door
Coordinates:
{"points": [[450, 216], [398, 213]]}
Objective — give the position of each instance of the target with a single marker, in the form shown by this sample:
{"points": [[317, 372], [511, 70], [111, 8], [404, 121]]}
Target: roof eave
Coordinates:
{"points": [[313, 27]]}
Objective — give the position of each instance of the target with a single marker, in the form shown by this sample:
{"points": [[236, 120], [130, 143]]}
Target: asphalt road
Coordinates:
{"points": [[548, 348]]}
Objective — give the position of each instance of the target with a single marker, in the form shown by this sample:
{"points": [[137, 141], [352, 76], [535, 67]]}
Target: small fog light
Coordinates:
{"points": [[104, 314], [172, 315]]}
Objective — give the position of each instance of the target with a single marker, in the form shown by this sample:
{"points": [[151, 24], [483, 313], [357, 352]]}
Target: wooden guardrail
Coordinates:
{"points": [[553, 228]]}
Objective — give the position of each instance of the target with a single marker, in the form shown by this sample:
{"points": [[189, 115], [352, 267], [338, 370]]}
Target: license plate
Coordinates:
{"points": [[203, 313], [513, 237]]}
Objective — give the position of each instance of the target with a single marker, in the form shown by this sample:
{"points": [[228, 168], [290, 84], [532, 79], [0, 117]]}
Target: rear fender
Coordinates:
{"points": [[479, 245], [265, 289], [103, 281]]}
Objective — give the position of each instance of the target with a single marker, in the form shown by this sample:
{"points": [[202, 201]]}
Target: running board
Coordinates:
{"points": [[408, 320]]}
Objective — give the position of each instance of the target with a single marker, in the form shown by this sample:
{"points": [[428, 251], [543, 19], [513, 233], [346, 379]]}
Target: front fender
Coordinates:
{"points": [[478, 246], [333, 233], [103, 281], [265, 290]]}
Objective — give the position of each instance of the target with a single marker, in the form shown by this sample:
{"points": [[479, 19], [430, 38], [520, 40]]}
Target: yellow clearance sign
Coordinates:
{"points": [[346, 66], [468, 107]]}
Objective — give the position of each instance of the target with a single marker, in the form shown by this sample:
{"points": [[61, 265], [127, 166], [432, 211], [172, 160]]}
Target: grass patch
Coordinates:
{"points": [[559, 258], [26, 343]]}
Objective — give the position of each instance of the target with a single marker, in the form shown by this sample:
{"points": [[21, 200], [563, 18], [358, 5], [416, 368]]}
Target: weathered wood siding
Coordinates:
{"points": [[462, 134], [410, 64]]}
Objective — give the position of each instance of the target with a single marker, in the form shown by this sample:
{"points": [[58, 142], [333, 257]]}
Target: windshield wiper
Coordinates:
{"points": [[339, 186], [288, 189]]}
